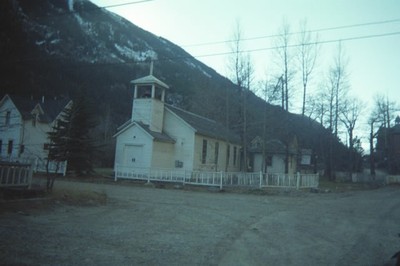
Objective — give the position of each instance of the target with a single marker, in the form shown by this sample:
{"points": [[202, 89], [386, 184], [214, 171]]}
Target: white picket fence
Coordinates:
{"points": [[39, 165], [219, 179], [392, 179], [15, 175]]}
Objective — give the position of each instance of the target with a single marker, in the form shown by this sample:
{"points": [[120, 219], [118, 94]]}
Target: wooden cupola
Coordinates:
{"points": [[148, 101]]}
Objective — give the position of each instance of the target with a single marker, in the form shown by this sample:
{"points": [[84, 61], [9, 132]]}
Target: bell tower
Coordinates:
{"points": [[148, 101]]}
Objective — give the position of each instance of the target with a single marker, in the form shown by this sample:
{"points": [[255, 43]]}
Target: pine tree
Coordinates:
{"points": [[80, 144], [70, 140], [58, 151]]}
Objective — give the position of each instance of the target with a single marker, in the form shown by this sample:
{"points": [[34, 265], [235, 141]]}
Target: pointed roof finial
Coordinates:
{"points": [[151, 67]]}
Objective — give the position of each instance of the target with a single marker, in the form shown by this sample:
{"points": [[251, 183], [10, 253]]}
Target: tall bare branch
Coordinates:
{"points": [[307, 57]]}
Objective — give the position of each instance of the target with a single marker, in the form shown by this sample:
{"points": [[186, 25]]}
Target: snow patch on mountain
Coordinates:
{"points": [[86, 26], [40, 42], [55, 41], [71, 5], [135, 55], [190, 63]]}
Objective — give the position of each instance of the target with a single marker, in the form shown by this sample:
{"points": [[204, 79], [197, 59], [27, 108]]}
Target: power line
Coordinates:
{"points": [[297, 45], [125, 4], [251, 38], [212, 54], [95, 8], [268, 36], [298, 32]]}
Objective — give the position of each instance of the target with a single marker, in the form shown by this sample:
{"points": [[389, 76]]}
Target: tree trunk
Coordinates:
{"points": [[330, 159], [304, 99], [227, 109], [351, 148], [283, 95], [286, 82], [48, 177], [244, 130], [371, 151]]}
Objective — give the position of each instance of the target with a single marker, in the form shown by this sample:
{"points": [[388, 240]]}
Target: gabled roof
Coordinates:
{"points": [[161, 137], [395, 129], [205, 126], [150, 79], [51, 107], [24, 105]]}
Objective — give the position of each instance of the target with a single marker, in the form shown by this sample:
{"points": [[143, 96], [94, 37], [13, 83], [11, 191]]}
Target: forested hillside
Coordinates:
{"points": [[58, 48]]}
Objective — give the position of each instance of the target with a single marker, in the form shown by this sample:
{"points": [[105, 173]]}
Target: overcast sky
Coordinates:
{"points": [[374, 61]]}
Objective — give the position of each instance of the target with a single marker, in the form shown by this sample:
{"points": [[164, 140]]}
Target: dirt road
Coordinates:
{"points": [[150, 226]]}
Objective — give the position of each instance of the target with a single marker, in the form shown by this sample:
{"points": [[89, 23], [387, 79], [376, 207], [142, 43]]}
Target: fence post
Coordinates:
{"points": [[115, 172], [260, 179], [298, 180], [30, 176], [65, 168], [220, 184], [13, 175]]}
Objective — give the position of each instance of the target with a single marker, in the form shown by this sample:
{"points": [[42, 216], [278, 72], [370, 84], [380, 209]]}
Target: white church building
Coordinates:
{"points": [[161, 136]]}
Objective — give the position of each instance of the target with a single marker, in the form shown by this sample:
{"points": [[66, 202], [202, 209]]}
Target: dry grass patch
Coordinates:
{"points": [[336, 186], [79, 197]]}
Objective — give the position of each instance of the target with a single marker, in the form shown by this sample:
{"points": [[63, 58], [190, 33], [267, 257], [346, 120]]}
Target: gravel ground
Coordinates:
{"points": [[142, 225]]}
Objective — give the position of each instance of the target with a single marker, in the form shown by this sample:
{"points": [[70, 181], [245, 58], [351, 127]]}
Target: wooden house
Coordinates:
{"points": [[24, 124], [274, 156]]}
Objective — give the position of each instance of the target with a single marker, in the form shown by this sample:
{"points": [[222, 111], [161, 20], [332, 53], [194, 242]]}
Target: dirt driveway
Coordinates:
{"points": [[150, 226]]}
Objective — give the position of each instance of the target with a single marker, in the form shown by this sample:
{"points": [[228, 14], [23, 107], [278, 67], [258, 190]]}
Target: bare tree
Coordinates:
{"points": [[307, 56], [316, 107], [248, 78], [243, 72], [380, 117], [338, 80], [349, 116], [270, 90], [330, 93], [372, 135], [285, 63], [386, 110], [237, 61], [320, 105], [333, 95]]}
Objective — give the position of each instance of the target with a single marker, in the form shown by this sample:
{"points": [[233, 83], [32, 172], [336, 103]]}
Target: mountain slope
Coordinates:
{"points": [[53, 48]]}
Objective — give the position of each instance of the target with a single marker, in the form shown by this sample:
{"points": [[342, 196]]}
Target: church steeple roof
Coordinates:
{"points": [[148, 80]]}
